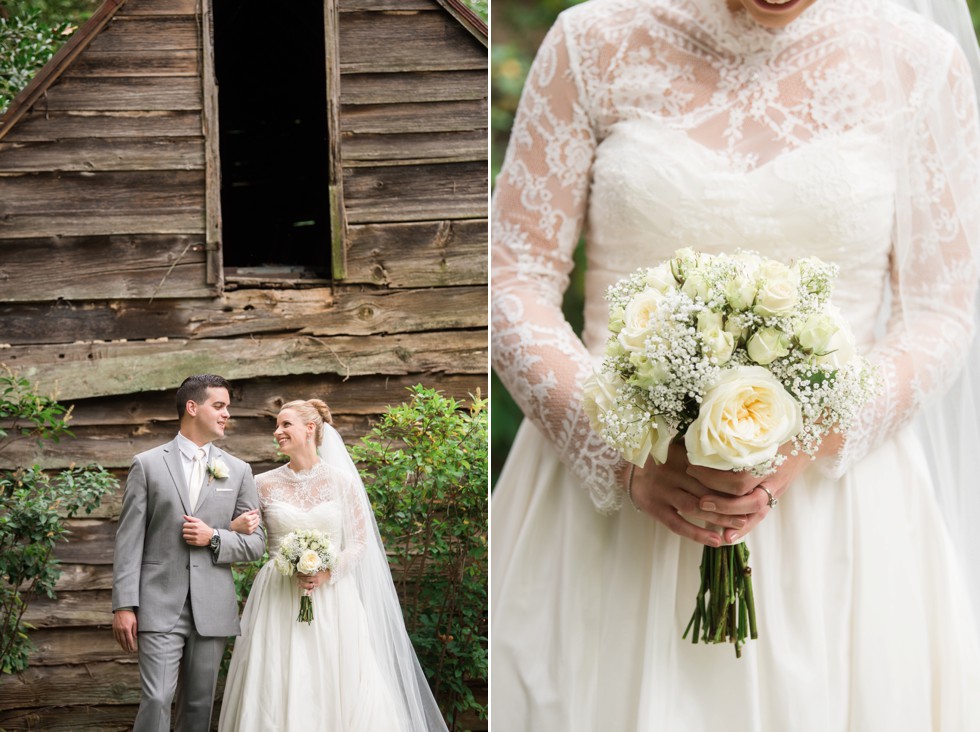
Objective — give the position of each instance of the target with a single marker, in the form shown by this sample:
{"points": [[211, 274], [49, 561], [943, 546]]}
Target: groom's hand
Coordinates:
{"points": [[196, 532], [124, 629]]}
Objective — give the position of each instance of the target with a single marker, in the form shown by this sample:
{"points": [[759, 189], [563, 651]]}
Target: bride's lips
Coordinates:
{"points": [[775, 8]]}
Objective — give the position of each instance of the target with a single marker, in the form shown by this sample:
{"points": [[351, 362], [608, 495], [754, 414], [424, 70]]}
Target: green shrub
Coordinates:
{"points": [[33, 506]]}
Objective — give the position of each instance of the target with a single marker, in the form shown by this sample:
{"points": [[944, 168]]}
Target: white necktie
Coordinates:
{"points": [[197, 477]]}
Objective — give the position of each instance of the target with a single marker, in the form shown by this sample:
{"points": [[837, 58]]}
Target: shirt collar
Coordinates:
{"points": [[188, 448]]}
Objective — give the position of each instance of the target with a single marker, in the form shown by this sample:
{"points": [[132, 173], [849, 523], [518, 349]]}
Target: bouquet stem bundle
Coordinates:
{"points": [[725, 607], [305, 608]]}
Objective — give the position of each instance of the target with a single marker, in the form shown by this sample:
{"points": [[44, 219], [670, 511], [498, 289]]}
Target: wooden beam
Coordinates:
{"points": [[78, 268], [407, 41], [416, 192], [84, 370], [425, 254], [335, 176], [136, 34], [414, 87], [419, 118], [101, 154], [415, 148], [164, 93], [316, 311], [94, 683], [157, 125], [126, 63], [211, 129]]}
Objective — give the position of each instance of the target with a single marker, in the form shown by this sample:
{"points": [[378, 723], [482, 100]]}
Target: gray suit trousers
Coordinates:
{"points": [[194, 659]]}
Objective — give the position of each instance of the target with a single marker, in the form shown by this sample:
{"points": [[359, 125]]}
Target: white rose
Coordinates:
{"points": [[616, 323], [696, 286], [661, 278], [718, 344], [218, 469], [649, 372], [283, 566], [708, 320], [308, 562], [636, 318], [840, 350], [766, 345], [740, 291], [738, 332], [744, 418], [817, 333], [779, 289], [599, 394], [656, 440]]}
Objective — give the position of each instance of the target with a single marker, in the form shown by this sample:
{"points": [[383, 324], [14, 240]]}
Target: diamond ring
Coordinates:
{"points": [[772, 499]]}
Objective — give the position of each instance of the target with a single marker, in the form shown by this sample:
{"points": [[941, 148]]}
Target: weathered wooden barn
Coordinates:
{"points": [[293, 195]]}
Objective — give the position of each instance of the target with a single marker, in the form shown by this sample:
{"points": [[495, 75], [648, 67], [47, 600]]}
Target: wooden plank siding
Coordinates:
{"points": [[111, 287]]}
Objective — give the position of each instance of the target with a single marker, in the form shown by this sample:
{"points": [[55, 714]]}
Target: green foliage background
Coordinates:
{"points": [[518, 28]]}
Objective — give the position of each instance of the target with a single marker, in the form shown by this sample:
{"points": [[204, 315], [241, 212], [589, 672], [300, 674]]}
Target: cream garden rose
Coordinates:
{"points": [[744, 418], [308, 562]]}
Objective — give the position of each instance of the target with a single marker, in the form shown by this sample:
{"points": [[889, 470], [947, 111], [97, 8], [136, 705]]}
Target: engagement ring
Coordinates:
{"points": [[772, 498]]}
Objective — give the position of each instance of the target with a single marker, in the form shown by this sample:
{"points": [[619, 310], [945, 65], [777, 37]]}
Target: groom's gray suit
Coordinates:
{"points": [[184, 596]]}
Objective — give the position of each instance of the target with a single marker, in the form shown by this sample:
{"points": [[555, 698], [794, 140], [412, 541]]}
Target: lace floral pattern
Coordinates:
{"points": [[315, 492], [743, 99]]}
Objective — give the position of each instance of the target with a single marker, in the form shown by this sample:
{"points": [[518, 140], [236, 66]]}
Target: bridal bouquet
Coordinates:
{"points": [[735, 355], [305, 552]]}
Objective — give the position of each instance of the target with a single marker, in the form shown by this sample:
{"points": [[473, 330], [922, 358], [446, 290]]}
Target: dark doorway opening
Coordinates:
{"points": [[272, 117]]}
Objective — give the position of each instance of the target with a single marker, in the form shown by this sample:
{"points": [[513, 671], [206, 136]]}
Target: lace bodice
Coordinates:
{"points": [[661, 124], [320, 498]]}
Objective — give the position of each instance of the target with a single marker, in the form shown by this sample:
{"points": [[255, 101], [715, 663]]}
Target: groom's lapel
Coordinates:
{"points": [[171, 457]]}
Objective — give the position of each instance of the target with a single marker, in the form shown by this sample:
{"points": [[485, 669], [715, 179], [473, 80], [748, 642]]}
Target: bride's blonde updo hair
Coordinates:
{"points": [[311, 410]]}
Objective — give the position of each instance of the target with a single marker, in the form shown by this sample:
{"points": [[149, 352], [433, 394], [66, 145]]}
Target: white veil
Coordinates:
{"points": [[393, 649]]}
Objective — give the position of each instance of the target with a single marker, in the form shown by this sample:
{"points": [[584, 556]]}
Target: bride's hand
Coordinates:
{"points": [[312, 581], [245, 523], [673, 497], [746, 494]]}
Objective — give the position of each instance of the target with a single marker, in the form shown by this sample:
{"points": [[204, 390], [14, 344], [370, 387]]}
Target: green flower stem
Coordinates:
{"points": [[725, 605], [305, 609]]}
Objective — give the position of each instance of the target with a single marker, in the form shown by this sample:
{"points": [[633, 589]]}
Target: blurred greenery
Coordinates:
{"points": [[518, 28]]}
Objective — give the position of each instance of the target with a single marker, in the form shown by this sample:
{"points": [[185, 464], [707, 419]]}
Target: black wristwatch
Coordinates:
{"points": [[215, 542]]}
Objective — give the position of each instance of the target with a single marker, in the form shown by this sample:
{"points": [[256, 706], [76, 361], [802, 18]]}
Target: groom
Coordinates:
{"points": [[173, 596]]}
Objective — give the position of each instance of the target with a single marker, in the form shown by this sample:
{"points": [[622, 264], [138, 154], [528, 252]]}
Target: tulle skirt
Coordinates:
{"points": [[291, 676], [864, 621]]}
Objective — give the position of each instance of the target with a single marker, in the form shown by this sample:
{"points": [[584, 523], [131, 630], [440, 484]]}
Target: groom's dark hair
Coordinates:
{"points": [[195, 388]]}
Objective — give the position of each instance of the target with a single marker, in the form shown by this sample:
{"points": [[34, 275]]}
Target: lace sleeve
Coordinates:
{"points": [[933, 266], [539, 204], [354, 529]]}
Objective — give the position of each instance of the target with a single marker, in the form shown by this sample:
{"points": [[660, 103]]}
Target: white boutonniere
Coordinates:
{"points": [[217, 469]]}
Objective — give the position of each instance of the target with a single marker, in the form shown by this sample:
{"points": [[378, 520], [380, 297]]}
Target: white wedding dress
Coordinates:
{"points": [[661, 124], [287, 675]]}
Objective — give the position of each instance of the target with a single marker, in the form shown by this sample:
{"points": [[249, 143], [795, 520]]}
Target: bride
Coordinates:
{"points": [[842, 129], [353, 667]]}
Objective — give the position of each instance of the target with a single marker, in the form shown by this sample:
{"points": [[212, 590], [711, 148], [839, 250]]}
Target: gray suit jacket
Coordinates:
{"points": [[154, 569]]}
